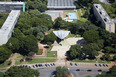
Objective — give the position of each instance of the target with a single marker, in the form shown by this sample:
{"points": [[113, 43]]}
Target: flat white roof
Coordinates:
{"points": [[12, 3], [9, 23], [60, 4]]}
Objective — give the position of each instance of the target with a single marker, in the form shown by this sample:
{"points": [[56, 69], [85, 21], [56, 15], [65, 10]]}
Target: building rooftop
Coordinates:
{"points": [[61, 4], [103, 13], [9, 23], [13, 3]]}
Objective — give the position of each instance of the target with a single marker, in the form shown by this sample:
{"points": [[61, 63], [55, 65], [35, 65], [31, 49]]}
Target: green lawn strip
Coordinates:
{"points": [[20, 56], [90, 61], [39, 52], [52, 54], [86, 61], [83, 11], [36, 60], [79, 14], [73, 35], [49, 49], [103, 61], [42, 60]]}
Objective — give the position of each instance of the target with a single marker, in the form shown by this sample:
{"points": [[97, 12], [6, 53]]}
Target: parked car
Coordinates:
{"points": [[71, 64], [54, 64], [99, 70], [95, 64], [104, 65], [107, 65], [100, 65], [33, 66], [89, 70], [77, 69], [76, 64], [46, 65]]}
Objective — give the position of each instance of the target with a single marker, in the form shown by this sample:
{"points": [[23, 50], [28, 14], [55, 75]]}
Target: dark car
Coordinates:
{"points": [[95, 64], [54, 72], [89, 70], [76, 64], [71, 64], [46, 65], [77, 69], [104, 65], [99, 70], [100, 65], [54, 64], [107, 65]]}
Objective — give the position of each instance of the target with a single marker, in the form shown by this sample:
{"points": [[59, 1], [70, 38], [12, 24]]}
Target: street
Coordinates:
{"points": [[47, 72]]}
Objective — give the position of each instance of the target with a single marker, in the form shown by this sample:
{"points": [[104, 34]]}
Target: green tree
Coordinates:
{"points": [[28, 44], [62, 71], [106, 57], [100, 43], [4, 53], [59, 23], [13, 44], [91, 50], [50, 38], [91, 36], [17, 33], [1, 74], [75, 51], [109, 49], [114, 57], [19, 71]]}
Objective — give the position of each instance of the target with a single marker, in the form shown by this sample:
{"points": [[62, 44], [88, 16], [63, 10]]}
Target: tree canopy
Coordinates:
{"points": [[91, 35], [19, 71], [62, 71], [4, 53]]}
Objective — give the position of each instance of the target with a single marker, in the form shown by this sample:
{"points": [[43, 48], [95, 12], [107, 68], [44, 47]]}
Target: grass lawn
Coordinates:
{"points": [[86, 61], [42, 60], [73, 35], [83, 11], [101, 61], [90, 61], [79, 15], [52, 54], [39, 52], [36, 60], [20, 56]]}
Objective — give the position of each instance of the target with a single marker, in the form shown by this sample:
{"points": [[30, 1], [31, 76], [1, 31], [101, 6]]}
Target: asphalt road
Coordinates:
{"points": [[47, 72]]}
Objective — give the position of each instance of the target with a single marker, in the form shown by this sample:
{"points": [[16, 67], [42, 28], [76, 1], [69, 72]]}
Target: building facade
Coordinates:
{"points": [[8, 6], [8, 26], [104, 18]]}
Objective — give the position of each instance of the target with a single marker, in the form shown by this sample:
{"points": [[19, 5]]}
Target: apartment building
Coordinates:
{"points": [[104, 18], [8, 26], [8, 6]]}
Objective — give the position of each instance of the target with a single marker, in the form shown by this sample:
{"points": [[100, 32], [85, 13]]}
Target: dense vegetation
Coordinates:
{"points": [[62, 71], [19, 71]]}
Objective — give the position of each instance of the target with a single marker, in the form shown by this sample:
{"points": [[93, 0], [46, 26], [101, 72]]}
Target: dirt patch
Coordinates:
{"points": [[70, 75]]}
